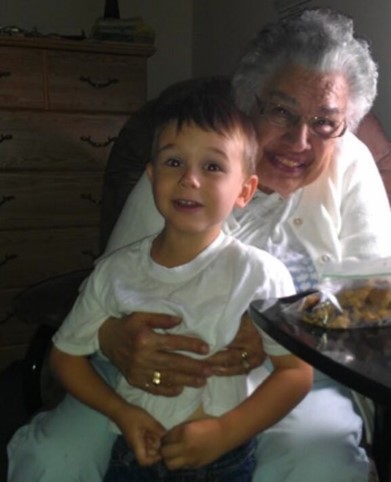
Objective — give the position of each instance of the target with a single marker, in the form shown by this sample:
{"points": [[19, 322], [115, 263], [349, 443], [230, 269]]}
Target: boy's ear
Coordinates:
{"points": [[248, 189], [149, 169]]}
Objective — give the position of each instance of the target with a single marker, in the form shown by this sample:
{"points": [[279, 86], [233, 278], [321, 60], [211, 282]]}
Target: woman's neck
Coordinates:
{"points": [[172, 248]]}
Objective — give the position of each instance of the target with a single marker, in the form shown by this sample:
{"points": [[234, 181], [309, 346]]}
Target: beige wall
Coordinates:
{"points": [[171, 19]]}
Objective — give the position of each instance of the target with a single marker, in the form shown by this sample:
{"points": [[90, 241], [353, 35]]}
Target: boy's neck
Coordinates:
{"points": [[172, 248]]}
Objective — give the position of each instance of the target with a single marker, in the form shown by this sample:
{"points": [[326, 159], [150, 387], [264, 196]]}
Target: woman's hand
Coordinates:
{"points": [[140, 353], [243, 354]]}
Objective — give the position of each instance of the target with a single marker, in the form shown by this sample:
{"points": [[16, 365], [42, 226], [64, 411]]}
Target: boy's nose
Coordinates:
{"points": [[190, 179]]}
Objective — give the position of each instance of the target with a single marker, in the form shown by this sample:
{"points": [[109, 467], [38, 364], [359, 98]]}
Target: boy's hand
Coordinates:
{"points": [[193, 444], [142, 433]]}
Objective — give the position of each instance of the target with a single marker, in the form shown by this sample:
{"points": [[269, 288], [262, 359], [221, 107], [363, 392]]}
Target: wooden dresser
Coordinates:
{"points": [[62, 104]]}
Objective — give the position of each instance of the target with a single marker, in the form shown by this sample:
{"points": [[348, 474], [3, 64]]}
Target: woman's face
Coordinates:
{"points": [[293, 155]]}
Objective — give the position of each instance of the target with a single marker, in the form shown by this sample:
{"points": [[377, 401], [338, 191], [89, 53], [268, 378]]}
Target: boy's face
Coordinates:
{"points": [[198, 177]]}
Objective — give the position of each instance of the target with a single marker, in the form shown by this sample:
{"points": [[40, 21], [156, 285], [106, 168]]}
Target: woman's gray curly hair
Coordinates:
{"points": [[318, 39]]}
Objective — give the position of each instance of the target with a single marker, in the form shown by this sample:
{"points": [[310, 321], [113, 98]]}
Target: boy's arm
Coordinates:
{"points": [[282, 390], [80, 379], [197, 443]]}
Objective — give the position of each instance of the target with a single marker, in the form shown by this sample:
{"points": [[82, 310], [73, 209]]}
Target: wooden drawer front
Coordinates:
{"points": [[12, 330], [21, 78], [7, 316], [96, 82], [27, 257], [34, 140], [31, 200]]}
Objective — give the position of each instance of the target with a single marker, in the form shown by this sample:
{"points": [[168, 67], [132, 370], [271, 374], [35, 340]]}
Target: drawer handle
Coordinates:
{"points": [[97, 144], [6, 199], [6, 137], [8, 316], [8, 257], [88, 197], [98, 85], [5, 74]]}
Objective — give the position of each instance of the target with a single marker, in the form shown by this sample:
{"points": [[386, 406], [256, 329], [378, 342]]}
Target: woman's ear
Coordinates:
{"points": [[249, 187]]}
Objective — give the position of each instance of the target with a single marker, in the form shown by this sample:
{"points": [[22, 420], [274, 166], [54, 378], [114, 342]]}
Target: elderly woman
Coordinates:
{"points": [[306, 82]]}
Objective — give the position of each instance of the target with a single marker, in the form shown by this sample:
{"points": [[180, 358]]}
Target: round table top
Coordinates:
{"points": [[359, 358]]}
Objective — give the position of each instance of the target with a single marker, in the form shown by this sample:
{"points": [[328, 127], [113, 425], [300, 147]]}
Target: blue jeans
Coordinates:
{"points": [[235, 466]]}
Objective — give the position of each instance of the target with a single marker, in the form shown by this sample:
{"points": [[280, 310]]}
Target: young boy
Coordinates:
{"points": [[202, 167]]}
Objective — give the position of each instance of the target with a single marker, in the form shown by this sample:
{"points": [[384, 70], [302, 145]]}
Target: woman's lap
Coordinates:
{"points": [[71, 442], [320, 438]]}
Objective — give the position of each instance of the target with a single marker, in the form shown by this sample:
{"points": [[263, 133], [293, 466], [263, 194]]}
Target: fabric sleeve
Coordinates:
{"points": [[78, 334]]}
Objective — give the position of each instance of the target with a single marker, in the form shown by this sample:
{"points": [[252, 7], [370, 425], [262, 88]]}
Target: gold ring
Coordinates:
{"points": [[245, 362], [157, 377]]}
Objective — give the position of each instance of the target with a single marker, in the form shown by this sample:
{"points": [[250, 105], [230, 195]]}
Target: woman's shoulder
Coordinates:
{"points": [[352, 151]]}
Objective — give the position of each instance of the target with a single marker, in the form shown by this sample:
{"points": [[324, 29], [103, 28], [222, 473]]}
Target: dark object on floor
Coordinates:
{"points": [[12, 409]]}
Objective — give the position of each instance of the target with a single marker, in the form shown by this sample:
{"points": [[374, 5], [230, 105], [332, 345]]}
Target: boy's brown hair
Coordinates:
{"points": [[210, 109]]}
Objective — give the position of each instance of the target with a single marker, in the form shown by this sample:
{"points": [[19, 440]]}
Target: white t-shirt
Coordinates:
{"points": [[210, 293]]}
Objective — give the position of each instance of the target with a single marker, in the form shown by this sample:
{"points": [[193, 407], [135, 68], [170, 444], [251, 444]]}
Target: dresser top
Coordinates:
{"points": [[85, 45]]}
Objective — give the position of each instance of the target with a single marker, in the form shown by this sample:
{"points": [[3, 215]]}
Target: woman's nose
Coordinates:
{"points": [[298, 136]]}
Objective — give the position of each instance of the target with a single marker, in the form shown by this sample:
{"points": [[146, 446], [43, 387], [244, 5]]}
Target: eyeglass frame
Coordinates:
{"points": [[293, 120]]}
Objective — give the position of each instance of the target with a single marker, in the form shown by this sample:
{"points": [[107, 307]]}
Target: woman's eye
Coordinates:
{"points": [[280, 111], [324, 124]]}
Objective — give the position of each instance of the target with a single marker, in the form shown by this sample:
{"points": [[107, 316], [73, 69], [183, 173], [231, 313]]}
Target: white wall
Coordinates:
{"points": [[172, 21]]}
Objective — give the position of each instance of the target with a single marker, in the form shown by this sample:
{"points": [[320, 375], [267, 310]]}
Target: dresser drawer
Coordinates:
{"points": [[95, 82], [27, 257], [21, 78], [54, 141], [47, 199], [12, 330]]}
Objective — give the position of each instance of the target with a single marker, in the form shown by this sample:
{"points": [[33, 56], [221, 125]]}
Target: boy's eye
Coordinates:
{"points": [[172, 162], [213, 167]]}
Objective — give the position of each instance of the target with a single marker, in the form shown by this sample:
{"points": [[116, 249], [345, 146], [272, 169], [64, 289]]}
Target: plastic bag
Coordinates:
{"points": [[354, 294]]}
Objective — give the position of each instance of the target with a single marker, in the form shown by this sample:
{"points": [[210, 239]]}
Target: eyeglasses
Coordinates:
{"points": [[281, 116]]}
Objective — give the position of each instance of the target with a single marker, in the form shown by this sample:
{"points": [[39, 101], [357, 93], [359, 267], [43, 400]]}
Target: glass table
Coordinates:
{"points": [[358, 358]]}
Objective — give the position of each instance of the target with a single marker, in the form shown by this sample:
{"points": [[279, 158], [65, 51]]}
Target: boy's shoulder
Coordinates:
{"points": [[251, 253], [127, 251]]}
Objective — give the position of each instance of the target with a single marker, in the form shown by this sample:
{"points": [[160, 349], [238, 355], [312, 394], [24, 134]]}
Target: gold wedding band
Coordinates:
{"points": [[245, 363], [157, 377]]}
